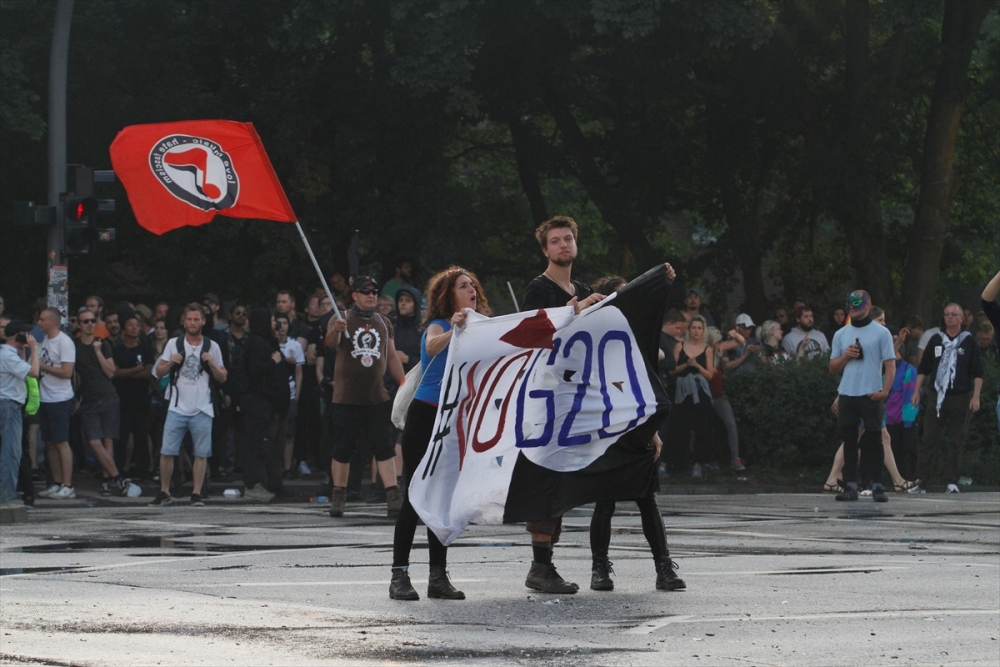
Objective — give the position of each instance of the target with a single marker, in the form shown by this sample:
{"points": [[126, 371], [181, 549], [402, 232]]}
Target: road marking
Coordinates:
{"points": [[652, 626], [260, 584]]}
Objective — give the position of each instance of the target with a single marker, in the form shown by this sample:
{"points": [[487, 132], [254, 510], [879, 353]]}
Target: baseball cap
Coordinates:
{"points": [[213, 297], [361, 282], [15, 327], [693, 290], [745, 320], [858, 300]]}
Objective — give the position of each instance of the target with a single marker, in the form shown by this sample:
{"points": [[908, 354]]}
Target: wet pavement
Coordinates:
{"points": [[777, 579]]}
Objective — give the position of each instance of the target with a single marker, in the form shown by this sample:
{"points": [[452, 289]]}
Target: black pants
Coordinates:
{"points": [[135, 415], [852, 411], [684, 418], [652, 528], [308, 429], [416, 437], [951, 427], [258, 413], [904, 448]]}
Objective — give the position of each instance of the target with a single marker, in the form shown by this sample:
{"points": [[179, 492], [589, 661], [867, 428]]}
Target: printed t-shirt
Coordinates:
{"points": [[362, 360]]}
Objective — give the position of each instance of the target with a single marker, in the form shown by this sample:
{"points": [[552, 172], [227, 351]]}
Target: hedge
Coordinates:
{"points": [[784, 418]]}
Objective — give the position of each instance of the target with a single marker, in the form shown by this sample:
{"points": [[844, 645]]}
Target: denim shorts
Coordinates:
{"points": [[176, 425]]}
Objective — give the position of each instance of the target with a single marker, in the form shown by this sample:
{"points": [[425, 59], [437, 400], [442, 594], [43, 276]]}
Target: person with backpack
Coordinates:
{"points": [[191, 362], [13, 394]]}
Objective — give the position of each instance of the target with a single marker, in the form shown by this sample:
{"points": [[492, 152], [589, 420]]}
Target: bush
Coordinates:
{"points": [[783, 413], [981, 461]]}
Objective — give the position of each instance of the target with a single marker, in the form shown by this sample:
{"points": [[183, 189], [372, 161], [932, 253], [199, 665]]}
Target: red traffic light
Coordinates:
{"points": [[80, 209]]}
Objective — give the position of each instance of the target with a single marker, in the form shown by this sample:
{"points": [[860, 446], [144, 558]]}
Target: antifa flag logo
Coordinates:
{"points": [[195, 170]]}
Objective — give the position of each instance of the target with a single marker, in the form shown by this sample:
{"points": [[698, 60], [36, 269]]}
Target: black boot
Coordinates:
{"points": [[400, 587], [666, 578], [439, 586], [600, 576], [543, 577]]}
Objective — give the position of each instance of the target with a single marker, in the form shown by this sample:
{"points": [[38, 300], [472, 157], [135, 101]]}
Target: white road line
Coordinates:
{"points": [[261, 584], [652, 626]]}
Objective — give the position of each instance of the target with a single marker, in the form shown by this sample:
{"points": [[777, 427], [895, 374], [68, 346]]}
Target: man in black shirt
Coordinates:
{"points": [[952, 359], [134, 356], [100, 410]]}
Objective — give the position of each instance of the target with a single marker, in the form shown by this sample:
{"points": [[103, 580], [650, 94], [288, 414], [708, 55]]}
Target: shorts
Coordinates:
{"points": [[53, 419], [370, 425], [176, 425], [550, 527], [101, 419]]}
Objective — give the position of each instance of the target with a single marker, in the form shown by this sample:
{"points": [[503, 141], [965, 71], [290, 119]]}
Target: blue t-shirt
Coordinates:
{"points": [[429, 390], [863, 376]]}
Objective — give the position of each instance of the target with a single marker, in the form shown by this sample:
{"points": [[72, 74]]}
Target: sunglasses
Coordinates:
{"points": [[239, 312], [367, 292], [88, 321]]}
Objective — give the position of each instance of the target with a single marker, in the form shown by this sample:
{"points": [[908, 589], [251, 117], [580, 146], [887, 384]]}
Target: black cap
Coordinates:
{"points": [[213, 297], [15, 327], [361, 282]]}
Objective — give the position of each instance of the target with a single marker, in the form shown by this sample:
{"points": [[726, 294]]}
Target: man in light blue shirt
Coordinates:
{"points": [[13, 393], [859, 352]]}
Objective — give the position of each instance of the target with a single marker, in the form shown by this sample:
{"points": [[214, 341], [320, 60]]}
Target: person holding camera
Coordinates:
{"points": [[13, 394]]}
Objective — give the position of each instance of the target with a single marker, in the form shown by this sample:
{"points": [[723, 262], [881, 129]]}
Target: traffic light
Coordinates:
{"points": [[79, 224]]}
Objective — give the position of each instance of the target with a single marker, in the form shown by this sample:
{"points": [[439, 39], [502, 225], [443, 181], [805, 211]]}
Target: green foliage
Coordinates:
{"points": [[784, 415], [981, 461]]}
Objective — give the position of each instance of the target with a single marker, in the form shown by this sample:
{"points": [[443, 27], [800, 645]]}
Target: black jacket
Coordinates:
{"points": [[265, 377], [407, 338]]}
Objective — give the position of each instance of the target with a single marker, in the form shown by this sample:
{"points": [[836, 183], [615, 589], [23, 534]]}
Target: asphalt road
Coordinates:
{"points": [[779, 579]]}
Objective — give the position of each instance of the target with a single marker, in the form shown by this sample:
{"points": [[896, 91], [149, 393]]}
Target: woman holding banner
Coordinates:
{"points": [[449, 294]]}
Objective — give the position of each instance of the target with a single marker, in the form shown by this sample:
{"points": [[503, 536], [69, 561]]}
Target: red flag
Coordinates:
{"points": [[185, 173]]}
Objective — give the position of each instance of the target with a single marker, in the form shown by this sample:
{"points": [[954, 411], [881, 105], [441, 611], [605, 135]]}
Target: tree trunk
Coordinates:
{"points": [[527, 169], [960, 28], [614, 212]]}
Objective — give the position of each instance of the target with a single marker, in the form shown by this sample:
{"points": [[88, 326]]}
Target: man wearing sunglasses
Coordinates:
{"points": [[361, 406], [100, 407], [859, 352]]}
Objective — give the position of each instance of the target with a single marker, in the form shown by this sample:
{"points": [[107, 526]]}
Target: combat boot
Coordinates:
{"points": [[338, 501], [544, 578], [600, 576], [666, 578], [439, 586], [400, 587]]}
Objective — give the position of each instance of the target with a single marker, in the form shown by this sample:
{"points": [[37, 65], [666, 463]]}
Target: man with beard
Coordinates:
{"points": [[805, 340], [190, 361], [134, 358], [402, 277]]}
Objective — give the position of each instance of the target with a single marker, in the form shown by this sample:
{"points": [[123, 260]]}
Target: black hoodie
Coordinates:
{"points": [[407, 338], [265, 377]]}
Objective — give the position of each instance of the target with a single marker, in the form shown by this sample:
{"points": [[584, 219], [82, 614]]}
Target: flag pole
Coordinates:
{"points": [[319, 272], [517, 308]]}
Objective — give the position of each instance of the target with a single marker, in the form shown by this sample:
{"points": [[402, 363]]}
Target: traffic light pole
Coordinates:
{"points": [[58, 65]]}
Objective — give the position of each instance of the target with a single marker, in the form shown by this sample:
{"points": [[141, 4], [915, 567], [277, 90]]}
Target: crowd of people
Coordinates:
{"points": [[163, 394]]}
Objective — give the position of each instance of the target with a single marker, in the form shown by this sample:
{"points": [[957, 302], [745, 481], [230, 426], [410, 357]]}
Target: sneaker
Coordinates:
{"points": [[304, 470], [338, 501], [162, 498], [400, 587], [105, 488], [49, 491], [258, 492], [850, 493], [393, 501], [952, 488], [64, 493], [544, 578], [196, 500], [600, 576], [666, 578], [696, 472], [738, 465], [915, 489], [120, 487], [878, 494], [866, 493]]}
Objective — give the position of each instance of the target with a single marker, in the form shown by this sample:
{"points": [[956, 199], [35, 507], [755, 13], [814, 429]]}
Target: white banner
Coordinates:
{"points": [[558, 387]]}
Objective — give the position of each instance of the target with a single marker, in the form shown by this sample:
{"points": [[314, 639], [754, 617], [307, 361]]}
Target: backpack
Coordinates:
{"points": [[206, 346]]}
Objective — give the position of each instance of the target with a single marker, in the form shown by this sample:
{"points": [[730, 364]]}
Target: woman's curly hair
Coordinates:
{"points": [[441, 294]]}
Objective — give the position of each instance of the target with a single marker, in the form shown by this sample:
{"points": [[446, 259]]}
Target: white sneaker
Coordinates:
{"points": [[258, 492], [64, 493], [952, 488], [915, 489], [304, 470], [49, 491]]}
